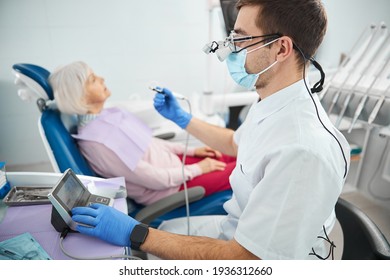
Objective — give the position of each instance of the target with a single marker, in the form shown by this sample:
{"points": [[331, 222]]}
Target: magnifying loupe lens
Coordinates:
{"points": [[223, 53]]}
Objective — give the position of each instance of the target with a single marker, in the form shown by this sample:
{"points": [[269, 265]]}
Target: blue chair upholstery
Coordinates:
{"points": [[63, 145], [67, 155], [38, 74]]}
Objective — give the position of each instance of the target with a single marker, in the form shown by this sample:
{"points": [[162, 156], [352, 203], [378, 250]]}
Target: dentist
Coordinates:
{"points": [[291, 161]]}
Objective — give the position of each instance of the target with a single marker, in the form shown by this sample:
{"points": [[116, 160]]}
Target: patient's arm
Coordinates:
{"points": [[207, 152], [107, 164], [175, 147], [179, 149], [158, 178]]}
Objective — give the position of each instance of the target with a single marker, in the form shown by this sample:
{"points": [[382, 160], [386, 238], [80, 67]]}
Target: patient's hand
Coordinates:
{"points": [[207, 152], [209, 164]]}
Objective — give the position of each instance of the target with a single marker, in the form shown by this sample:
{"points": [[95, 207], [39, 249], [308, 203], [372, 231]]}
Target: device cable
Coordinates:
{"points": [[159, 90], [317, 88], [65, 232], [331, 250], [182, 171]]}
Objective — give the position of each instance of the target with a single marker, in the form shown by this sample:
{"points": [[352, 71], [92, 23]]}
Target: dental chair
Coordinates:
{"points": [[56, 129], [362, 239]]}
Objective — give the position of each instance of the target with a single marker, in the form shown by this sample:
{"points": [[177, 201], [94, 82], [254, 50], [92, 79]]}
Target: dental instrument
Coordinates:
{"points": [[381, 50], [348, 60], [363, 100], [363, 58], [160, 90], [378, 105]]}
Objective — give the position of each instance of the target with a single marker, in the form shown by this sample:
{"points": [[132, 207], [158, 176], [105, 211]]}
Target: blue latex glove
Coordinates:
{"points": [[106, 223], [167, 105]]}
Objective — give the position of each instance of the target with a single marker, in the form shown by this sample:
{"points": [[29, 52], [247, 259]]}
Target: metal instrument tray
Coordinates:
{"points": [[28, 195]]}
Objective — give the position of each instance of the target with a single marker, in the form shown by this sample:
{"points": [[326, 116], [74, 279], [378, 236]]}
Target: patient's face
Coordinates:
{"points": [[96, 91]]}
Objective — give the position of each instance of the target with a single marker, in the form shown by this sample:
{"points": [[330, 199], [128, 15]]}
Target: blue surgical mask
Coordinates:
{"points": [[236, 66]]}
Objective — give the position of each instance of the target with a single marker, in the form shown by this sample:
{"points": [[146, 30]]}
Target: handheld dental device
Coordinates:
{"points": [[156, 89], [161, 91]]}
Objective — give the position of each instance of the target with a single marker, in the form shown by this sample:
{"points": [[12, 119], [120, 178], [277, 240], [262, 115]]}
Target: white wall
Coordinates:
{"points": [[346, 21], [130, 43]]}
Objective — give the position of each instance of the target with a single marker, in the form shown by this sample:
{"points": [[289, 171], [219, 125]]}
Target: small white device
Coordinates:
{"points": [[159, 89], [68, 193]]}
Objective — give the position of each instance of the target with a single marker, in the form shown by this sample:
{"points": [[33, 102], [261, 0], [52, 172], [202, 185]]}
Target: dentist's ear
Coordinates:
{"points": [[285, 48]]}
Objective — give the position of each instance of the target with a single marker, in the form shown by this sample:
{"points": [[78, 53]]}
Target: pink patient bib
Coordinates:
{"points": [[122, 132]]}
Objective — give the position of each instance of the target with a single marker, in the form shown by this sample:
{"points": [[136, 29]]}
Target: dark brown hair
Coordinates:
{"points": [[304, 21]]}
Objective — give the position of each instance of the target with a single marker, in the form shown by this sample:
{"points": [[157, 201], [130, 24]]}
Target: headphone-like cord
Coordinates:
{"points": [[317, 88]]}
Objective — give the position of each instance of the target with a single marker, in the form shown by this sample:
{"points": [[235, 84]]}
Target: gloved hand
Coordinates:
{"points": [[105, 222], [167, 105]]}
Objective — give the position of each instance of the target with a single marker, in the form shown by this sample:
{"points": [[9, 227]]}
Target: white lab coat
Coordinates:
{"points": [[289, 175]]}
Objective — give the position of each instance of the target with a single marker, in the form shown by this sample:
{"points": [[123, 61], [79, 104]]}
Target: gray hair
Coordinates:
{"points": [[68, 83]]}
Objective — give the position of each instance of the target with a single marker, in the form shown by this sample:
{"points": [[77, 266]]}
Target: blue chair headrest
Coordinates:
{"points": [[63, 145], [38, 74]]}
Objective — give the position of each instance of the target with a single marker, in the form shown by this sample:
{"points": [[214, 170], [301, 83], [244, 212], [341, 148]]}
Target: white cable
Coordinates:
{"points": [[108, 257], [154, 86], [182, 172]]}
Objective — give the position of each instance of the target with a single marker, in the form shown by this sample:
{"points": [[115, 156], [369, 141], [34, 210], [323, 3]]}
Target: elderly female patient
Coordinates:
{"points": [[116, 143]]}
